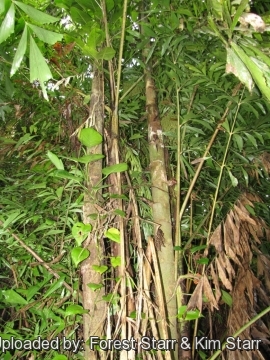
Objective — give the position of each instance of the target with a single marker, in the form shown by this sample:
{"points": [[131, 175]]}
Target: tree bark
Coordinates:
{"points": [[161, 208], [93, 321]]}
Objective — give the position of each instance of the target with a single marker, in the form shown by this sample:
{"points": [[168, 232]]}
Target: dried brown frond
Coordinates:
{"points": [[265, 160], [196, 300], [237, 241]]}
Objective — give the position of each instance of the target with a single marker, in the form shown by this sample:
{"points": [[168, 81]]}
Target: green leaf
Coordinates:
{"points": [[193, 315], [7, 27], [217, 8], [32, 291], [257, 74], [79, 16], [117, 196], [65, 4], [90, 158], [120, 212], [238, 13], [236, 66], [79, 254], [94, 286], [188, 315], [100, 268], [106, 54], [7, 141], [39, 16], [239, 141], [115, 261], [13, 297], [195, 249], [136, 136], [19, 53], [133, 314], [252, 139], [11, 218], [250, 209], [59, 191], [47, 36], [213, 26], [226, 297], [90, 137], [203, 261], [245, 175], [113, 298], [90, 51], [63, 174], [114, 169], [113, 234], [259, 136], [75, 310], [147, 30], [233, 179], [80, 232], [133, 33], [165, 45], [39, 69], [226, 125], [60, 357], [95, 38], [55, 286], [2, 6], [258, 52], [55, 160], [150, 52]]}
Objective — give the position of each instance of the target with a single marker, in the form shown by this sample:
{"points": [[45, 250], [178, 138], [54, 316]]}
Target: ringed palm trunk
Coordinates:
{"points": [[93, 321], [161, 208]]}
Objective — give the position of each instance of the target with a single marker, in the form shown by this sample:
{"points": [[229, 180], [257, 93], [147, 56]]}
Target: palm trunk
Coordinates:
{"points": [[161, 209], [93, 321]]}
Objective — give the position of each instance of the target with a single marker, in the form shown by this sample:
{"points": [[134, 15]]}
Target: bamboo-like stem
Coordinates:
{"points": [[160, 296], [179, 255], [193, 182], [216, 196], [115, 159], [221, 171], [108, 43], [121, 49], [238, 332]]}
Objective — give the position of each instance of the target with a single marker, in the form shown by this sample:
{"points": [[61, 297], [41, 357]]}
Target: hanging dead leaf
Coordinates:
{"points": [[216, 283], [222, 274], [216, 239], [195, 301], [244, 215], [234, 225], [265, 160], [58, 48], [208, 292], [68, 48], [197, 279], [225, 262]]}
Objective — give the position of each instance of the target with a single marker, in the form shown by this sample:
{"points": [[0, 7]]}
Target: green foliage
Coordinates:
{"points": [[90, 137], [79, 254], [113, 234], [39, 70], [7, 27], [189, 315]]}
